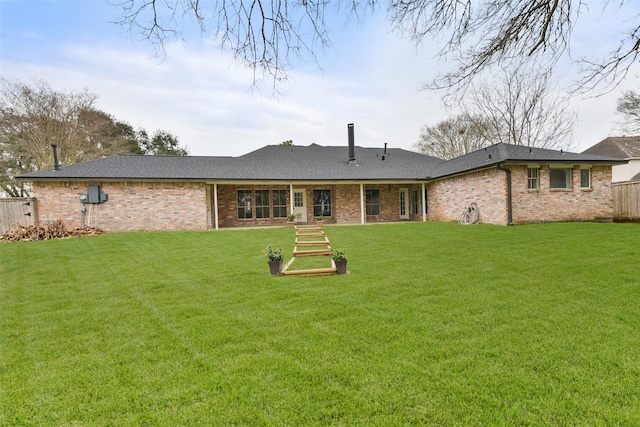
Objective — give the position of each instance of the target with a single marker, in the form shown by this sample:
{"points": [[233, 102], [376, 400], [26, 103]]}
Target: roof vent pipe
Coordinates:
{"points": [[352, 148], [56, 165]]}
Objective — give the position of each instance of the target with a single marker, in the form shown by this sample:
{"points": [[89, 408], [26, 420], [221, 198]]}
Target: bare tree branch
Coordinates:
{"points": [[476, 36], [523, 108], [607, 73], [267, 36], [454, 137], [629, 107]]}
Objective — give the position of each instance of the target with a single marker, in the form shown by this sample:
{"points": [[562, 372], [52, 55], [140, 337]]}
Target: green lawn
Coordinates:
{"points": [[437, 324]]}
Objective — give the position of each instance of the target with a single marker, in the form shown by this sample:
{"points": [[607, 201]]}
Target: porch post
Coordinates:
{"points": [[290, 198], [424, 204], [215, 203], [362, 216], [209, 187]]}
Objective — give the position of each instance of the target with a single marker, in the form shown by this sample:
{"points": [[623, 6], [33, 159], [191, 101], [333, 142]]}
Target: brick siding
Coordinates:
{"points": [[448, 198], [573, 204], [184, 206], [345, 204], [131, 205]]}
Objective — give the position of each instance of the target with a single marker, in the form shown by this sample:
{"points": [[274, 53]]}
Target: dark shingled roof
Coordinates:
{"points": [[316, 162], [131, 166], [508, 153], [620, 147], [273, 162], [310, 163]]}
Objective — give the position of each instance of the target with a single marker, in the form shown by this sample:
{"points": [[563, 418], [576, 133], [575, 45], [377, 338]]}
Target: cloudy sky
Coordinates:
{"points": [[370, 77]]}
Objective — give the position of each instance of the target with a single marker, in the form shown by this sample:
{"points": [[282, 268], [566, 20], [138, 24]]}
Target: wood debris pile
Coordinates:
{"points": [[53, 230]]}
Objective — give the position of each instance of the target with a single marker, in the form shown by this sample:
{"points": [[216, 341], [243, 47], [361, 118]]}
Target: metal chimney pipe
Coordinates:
{"points": [[56, 165], [352, 148]]}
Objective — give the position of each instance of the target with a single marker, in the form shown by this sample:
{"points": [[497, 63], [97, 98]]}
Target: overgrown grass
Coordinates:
{"points": [[437, 324]]}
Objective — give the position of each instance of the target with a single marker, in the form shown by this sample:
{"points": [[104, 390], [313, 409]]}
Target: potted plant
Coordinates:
{"points": [[291, 218], [340, 260], [275, 257], [320, 220]]}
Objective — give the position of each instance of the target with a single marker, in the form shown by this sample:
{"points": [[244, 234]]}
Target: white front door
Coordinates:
{"points": [[404, 203], [300, 205]]}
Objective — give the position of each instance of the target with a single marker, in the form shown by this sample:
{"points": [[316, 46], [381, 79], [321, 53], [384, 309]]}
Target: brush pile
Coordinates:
{"points": [[53, 230]]}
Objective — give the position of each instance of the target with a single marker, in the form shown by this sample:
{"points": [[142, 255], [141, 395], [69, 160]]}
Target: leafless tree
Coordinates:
{"points": [[523, 108], [476, 34], [34, 116], [454, 137], [629, 107]]}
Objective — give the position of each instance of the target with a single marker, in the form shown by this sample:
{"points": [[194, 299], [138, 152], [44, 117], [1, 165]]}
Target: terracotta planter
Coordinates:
{"points": [[275, 267], [341, 267], [319, 223]]}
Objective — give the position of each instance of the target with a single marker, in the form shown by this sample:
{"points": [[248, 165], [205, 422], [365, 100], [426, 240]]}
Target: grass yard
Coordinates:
{"points": [[437, 324], [310, 263]]}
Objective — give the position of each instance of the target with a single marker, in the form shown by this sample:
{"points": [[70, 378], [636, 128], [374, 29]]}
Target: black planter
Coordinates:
{"points": [[341, 267], [275, 267]]}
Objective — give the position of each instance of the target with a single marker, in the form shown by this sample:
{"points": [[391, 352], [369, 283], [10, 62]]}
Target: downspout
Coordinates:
{"points": [[509, 198]]}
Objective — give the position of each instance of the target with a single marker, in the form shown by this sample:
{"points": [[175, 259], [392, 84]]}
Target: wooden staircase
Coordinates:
{"points": [[310, 241]]}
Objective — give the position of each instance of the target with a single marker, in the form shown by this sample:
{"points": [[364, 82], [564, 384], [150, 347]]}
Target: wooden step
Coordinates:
{"points": [[313, 272], [307, 228], [324, 242], [328, 271], [311, 252]]}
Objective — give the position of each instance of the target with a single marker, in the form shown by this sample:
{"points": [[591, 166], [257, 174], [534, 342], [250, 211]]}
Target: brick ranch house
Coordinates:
{"points": [[347, 185]]}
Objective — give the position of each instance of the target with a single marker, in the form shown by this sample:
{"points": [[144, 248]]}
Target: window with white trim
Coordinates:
{"points": [[372, 201], [533, 178], [585, 178], [560, 177], [244, 204], [279, 203], [262, 204], [415, 202], [321, 203]]}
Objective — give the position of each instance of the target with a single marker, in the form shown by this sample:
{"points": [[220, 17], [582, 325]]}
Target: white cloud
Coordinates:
{"points": [[200, 96], [197, 95]]}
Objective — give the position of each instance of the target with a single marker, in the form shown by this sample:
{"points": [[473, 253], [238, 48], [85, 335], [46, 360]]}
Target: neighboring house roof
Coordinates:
{"points": [[621, 147], [312, 163], [518, 154]]}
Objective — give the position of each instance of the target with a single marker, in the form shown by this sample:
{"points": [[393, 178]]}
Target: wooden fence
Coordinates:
{"points": [[626, 201], [17, 210]]}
